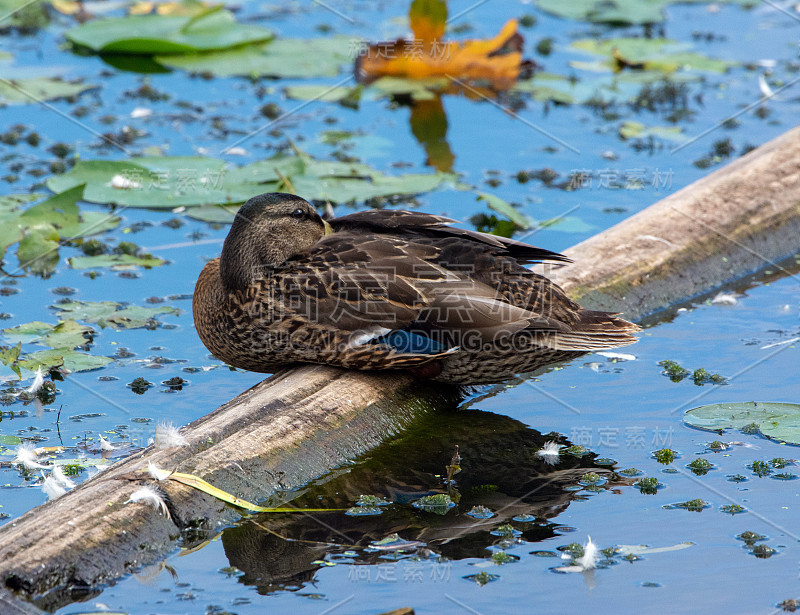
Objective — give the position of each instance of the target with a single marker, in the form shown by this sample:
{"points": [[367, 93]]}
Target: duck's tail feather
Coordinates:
{"points": [[593, 330]]}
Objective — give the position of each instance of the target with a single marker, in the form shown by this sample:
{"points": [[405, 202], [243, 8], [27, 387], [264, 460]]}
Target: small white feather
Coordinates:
{"points": [[61, 478], [26, 455], [51, 488], [38, 382], [120, 182], [618, 356], [590, 556], [105, 445], [149, 495], [168, 436], [156, 472], [550, 452], [724, 299]]}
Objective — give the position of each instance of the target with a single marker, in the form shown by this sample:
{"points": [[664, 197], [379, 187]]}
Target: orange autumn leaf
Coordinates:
{"points": [[497, 60], [428, 19]]}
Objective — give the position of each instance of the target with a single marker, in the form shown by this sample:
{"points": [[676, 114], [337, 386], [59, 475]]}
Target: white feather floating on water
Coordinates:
{"points": [[26, 455], [619, 356], [38, 382], [156, 472], [52, 488], [149, 495], [61, 478], [105, 445], [168, 436], [550, 452], [591, 554], [724, 299]]}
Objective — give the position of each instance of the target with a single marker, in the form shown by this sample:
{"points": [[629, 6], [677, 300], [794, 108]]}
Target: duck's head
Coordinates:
{"points": [[268, 229]]}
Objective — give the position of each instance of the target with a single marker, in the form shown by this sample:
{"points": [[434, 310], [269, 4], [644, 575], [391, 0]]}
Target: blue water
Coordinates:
{"points": [[620, 410]]}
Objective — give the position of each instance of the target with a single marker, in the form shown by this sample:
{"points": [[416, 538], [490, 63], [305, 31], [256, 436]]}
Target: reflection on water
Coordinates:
{"points": [[500, 469]]}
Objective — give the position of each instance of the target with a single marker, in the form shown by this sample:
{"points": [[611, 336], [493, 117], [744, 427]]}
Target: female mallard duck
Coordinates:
{"points": [[387, 290]]}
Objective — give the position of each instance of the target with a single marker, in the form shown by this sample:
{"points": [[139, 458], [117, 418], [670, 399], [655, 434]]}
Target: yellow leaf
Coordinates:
{"points": [[427, 19], [66, 7], [498, 60], [141, 8]]}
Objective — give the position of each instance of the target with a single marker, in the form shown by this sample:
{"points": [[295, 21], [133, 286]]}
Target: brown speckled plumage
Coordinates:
{"points": [[289, 288]]}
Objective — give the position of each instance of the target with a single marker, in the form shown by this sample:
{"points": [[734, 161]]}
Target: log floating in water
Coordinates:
{"points": [[300, 423]]}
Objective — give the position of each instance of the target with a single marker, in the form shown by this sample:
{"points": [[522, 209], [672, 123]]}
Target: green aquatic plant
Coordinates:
{"points": [[648, 485], [675, 372], [664, 455], [760, 468]]}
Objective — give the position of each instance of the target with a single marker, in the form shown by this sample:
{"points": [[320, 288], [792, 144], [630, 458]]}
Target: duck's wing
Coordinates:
{"points": [[372, 284], [412, 223]]}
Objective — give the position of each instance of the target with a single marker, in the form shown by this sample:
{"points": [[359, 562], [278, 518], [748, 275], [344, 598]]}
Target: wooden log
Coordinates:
{"points": [[298, 424]]}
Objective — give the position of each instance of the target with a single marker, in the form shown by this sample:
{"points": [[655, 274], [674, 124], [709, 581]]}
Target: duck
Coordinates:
{"points": [[388, 290]]}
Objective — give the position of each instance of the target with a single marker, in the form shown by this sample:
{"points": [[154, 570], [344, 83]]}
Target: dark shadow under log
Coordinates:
{"points": [[298, 424]]}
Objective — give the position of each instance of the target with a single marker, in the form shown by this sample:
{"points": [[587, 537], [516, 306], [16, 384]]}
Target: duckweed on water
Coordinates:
{"points": [[785, 476], [664, 455], [700, 466], [673, 371], [576, 450], [438, 504], [482, 578], [501, 557], [591, 478], [763, 551], [732, 509], [371, 500], [480, 512], [779, 462], [695, 505], [760, 468], [751, 428], [648, 486], [716, 445], [630, 472], [751, 538]]}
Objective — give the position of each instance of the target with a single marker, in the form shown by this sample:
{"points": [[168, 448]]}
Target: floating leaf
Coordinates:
{"points": [[10, 440], [777, 420], [36, 89], [637, 130], [654, 54], [66, 357], [497, 60], [115, 261], [287, 58], [341, 94], [213, 29], [617, 12], [167, 182], [109, 313], [507, 210], [41, 228]]}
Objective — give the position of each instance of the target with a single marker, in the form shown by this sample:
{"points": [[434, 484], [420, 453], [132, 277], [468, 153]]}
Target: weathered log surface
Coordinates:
{"points": [[734, 221], [298, 424]]}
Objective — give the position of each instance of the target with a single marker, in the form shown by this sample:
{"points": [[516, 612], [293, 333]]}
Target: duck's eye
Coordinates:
{"points": [[298, 214]]}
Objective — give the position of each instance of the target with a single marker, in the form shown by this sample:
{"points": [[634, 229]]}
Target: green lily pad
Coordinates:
{"points": [[112, 314], [41, 228], [617, 12], [417, 89], [213, 29], [652, 54], [287, 58], [115, 261], [27, 332], [637, 130], [344, 95], [63, 357], [10, 440], [777, 420], [507, 210], [167, 182], [35, 89]]}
